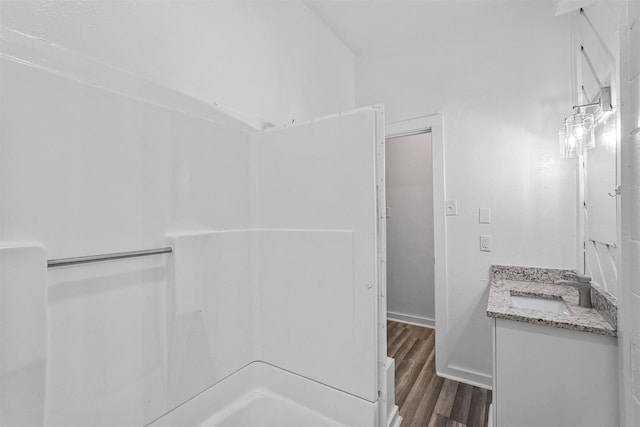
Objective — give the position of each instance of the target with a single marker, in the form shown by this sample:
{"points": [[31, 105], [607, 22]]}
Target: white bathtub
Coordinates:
{"points": [[262, 395]]}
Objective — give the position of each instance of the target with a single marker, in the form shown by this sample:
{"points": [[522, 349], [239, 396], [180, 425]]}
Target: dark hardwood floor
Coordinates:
{"points": [[425, 399]]}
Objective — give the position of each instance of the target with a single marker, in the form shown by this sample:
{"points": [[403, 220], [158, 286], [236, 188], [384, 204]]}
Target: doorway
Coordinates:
{"points": [[410, 248]]}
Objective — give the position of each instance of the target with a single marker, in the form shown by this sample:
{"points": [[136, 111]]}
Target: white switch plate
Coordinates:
{"points": [[451, 207], [484, 216], [485, 243]]}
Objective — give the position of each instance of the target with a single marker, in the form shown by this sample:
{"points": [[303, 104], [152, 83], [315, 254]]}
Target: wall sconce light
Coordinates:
{"points": [[567, 146], [579, 128], [577, 135]]}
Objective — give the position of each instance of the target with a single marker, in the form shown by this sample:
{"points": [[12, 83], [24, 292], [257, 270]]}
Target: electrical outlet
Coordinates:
{"points": [[485, 243]]}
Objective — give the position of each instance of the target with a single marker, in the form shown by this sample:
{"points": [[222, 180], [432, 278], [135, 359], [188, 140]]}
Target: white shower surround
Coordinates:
{"points": [[302, 299], [127, 341], [286, 308]]}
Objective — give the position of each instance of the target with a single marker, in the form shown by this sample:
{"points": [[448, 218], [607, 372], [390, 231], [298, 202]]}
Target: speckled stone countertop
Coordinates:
{"points": [[508, 280]]}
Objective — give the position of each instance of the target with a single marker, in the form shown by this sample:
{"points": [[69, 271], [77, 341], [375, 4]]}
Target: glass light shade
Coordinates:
{"points": [[579, 128], [567, 146]]}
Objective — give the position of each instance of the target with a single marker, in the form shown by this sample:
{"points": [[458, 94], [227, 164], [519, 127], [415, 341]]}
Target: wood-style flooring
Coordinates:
{"points": [[425, 399]]}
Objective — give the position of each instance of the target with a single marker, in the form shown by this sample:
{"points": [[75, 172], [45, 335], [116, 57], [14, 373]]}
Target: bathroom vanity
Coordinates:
{"points": [[555, 363]]}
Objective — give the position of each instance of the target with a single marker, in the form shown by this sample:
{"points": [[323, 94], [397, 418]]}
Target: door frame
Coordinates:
{"points": [[435, 125]]}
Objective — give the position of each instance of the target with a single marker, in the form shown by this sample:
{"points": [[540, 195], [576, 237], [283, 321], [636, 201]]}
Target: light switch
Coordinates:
{"points": [[485, 216], [485, 243], [451, 207]]}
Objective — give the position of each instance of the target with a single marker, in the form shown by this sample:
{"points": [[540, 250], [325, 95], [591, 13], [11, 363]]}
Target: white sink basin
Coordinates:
{"points": [[533, 302]]}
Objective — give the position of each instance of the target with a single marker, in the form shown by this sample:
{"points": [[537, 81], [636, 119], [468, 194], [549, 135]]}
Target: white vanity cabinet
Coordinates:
{"points": [[547, 376]]}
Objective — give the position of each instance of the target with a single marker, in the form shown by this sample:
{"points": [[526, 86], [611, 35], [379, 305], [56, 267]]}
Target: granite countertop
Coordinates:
{"points": [[507, 280]]}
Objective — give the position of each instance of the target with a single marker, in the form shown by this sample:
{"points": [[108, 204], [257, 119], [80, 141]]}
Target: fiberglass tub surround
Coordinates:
{"points": [[275, 256]]}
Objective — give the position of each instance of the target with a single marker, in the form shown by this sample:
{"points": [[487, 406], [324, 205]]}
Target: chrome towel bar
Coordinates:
{"points": [[60, 262]]}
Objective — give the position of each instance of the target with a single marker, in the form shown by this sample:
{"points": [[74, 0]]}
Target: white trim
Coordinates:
{"points": [[628, 330], [408, 133], [412, 320], [384, 388], [392, 411], [581, 215], [494, 366], [411, 126], [467, 376], [394, 420], [440, 240], [491, 422]]}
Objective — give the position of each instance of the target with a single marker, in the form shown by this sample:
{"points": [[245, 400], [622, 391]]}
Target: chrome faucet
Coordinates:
{"points": [[582, 283]]}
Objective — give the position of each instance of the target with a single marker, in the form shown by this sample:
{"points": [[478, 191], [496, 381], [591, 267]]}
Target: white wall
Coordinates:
{"points": [[501, 82], [410, 275], [273, 60], [595, 35], [629, 287]]}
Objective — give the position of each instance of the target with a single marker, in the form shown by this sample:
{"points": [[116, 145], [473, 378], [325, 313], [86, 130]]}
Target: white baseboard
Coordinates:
{"points": [[394, 419], [412, 320], [467, 376], [490, 423]]}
